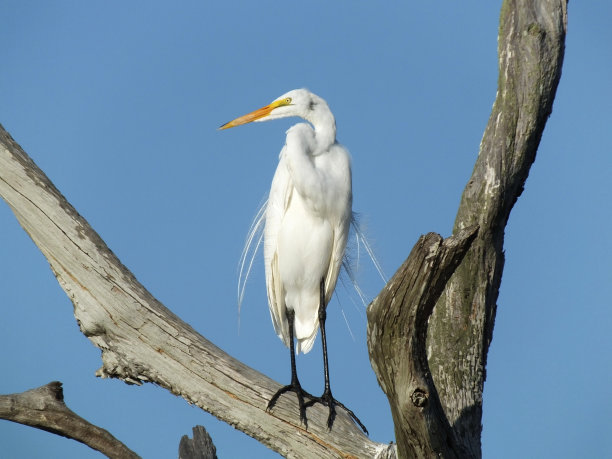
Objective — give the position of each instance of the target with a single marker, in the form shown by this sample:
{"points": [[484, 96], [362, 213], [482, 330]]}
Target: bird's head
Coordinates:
{"points": [[298, 102]]}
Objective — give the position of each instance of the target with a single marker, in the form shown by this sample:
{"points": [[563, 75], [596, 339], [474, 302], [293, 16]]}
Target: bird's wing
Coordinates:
{"points": [[340, 217], [337, 257], [278, 202]]}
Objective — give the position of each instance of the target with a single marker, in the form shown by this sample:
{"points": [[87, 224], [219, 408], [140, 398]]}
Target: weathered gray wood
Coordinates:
{"points": [[531, 47], [44, 408], [397, 327], [142, 341], [199, 447]]}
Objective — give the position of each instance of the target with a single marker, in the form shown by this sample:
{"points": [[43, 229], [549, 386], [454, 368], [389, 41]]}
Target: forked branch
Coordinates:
{"points": [[397, 327]]}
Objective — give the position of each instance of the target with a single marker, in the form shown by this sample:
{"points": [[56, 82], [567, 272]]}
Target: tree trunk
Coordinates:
{"points": [[531, 46]]}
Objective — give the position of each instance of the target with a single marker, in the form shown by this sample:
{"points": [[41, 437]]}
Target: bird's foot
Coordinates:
{"points": [[328, 400], [301, 394]]}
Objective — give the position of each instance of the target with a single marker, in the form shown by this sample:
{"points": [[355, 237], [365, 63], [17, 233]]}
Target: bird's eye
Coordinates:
{"points": [[288, 100]]}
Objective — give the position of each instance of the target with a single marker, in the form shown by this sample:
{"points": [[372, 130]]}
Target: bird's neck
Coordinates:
{"points": [[324, 125]]}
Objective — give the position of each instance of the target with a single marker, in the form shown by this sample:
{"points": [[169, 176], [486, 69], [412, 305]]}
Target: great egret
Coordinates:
{"points": [[307, 222]]}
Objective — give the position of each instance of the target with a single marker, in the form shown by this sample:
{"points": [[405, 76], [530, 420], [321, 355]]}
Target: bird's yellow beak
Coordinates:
{"points": [[257, 114]]}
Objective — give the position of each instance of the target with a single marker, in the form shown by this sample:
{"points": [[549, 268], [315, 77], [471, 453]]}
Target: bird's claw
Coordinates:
{"points": [[328, 400], [301, 394]]}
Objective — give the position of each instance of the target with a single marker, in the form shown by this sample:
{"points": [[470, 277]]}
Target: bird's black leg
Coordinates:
{"points": [[295, 385], [327, 399]]}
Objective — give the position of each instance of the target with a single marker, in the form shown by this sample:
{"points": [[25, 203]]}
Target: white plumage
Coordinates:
{"points": [[308, 214], [307, 219], [307, 223]]}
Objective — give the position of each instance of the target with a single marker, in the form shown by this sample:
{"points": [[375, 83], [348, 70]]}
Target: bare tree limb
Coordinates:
{"points": [[44, 408], [397, 327], [142, 341], [531, 47]]}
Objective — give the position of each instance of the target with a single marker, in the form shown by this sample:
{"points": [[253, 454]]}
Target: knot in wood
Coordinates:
{"points": [[419, 398]]}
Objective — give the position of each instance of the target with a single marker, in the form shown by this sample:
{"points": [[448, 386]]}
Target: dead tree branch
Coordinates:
{"points": [[44, 408], [142, 341], [199, 447]]}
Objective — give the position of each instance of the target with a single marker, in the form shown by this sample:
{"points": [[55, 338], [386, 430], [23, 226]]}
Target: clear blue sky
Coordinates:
{"points": [[118, 102]]}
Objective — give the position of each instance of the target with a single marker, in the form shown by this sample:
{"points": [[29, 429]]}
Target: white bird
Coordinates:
{"points": [[307, 221]]}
